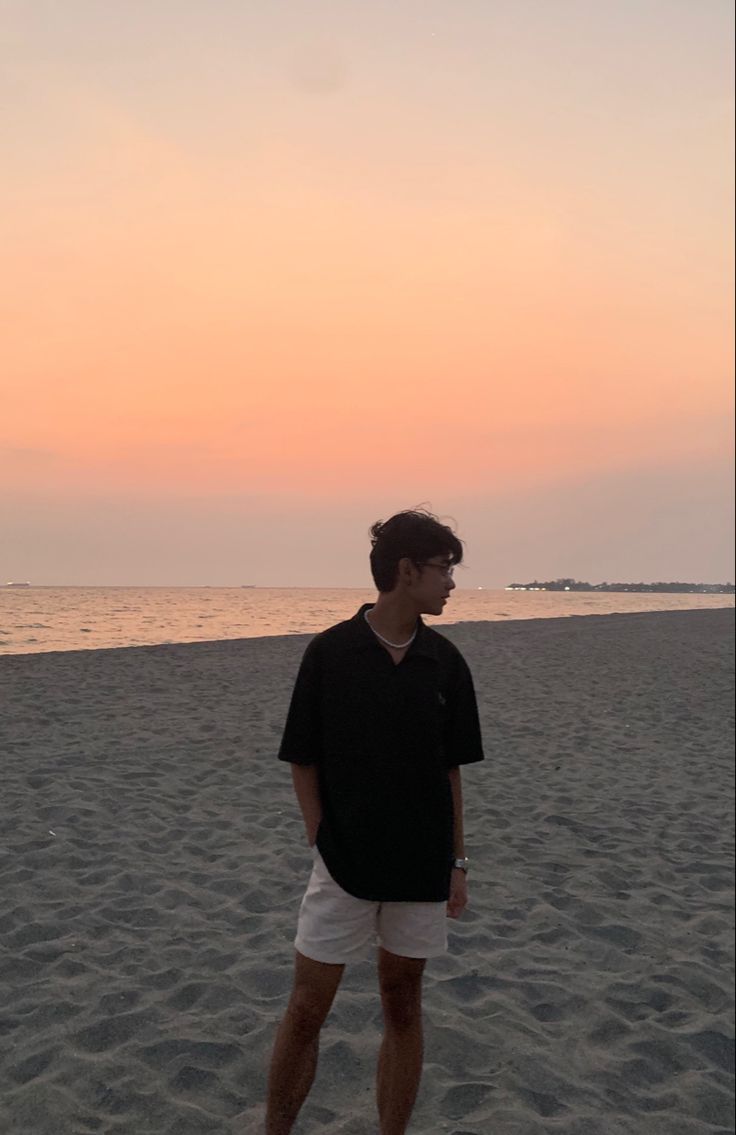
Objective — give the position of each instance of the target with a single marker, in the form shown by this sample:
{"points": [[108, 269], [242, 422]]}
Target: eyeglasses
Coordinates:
{"points": [[446, 569]]}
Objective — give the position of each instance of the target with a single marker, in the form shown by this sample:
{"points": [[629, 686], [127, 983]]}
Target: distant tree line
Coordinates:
{"points": [[581, 585]]}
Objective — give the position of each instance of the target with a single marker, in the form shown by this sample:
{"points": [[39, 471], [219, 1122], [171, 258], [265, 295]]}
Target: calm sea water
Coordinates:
{"points": [[39, 619]]}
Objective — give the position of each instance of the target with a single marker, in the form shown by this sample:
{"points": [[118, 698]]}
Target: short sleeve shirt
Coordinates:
{"points": [[383, 737]]}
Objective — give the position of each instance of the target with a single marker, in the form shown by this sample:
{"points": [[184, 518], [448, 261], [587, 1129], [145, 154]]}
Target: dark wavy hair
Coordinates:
{"points": [[416, 534]]}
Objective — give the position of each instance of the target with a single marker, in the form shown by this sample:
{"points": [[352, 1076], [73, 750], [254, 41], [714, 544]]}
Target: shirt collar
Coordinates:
{"points": [[365, 638]]}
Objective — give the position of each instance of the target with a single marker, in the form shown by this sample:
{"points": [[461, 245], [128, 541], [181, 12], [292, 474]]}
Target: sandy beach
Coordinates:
{"points": [[152, 860]]}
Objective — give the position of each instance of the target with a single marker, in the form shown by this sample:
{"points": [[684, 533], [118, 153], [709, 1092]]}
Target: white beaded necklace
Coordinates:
{"points": [[393, 645]]}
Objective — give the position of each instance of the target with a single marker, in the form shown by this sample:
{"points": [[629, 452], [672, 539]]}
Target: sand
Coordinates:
{"points": [[152, 860]]}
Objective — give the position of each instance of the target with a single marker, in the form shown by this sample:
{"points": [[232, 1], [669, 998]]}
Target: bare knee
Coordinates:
{"points": [[306, 1015], [402, 1006], [315, 985], [401, 992]]}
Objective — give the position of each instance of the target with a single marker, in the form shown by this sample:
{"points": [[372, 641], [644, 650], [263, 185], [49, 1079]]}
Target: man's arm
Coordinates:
{"points": [[457, 812], [306, 787], [458, 882]]}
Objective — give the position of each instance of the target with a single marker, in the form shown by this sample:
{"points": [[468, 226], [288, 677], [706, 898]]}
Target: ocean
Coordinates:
{"points": [[39, 619]]}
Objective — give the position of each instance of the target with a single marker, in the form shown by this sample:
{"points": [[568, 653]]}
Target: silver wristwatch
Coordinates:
{"points": [[460, 864]]}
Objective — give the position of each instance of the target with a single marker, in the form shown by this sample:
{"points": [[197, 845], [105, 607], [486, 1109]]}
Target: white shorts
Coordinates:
{"points": [[335, 927]]}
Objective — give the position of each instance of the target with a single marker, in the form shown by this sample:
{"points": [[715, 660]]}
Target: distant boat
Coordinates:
{"points": [[17, 585], [248, 586]]}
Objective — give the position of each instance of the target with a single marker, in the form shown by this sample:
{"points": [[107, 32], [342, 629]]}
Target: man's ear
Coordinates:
{"points": [[407, 570]]}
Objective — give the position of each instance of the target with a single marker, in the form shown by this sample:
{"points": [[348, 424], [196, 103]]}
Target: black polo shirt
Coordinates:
{"points": [[383, 737]]}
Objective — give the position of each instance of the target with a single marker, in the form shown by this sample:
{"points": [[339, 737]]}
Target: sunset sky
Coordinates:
{"points": [[273, 270]]}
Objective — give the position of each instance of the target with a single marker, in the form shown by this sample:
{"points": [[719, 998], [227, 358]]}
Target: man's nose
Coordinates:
{"points": [[451, 584]]}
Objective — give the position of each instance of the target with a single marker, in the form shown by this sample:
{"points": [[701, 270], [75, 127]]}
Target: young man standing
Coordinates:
{"points": [[382, 715]]}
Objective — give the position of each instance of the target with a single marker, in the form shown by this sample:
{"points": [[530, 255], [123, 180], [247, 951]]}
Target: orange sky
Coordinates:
{"points": [[430, 255]]}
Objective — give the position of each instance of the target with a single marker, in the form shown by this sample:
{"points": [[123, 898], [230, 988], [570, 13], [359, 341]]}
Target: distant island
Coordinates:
{"points": [[581, 585]]}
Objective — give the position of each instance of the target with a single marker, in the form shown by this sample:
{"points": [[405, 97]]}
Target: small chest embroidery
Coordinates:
{"points": [[441, 698]]}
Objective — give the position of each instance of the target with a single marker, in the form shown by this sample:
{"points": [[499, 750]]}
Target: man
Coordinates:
{"points": [[382, 715]]}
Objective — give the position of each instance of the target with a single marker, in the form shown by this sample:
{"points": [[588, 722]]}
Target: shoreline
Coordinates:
{"points": [[440, 627]]}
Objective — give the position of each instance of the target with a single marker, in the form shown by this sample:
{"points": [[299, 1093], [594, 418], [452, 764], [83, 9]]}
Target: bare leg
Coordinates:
{"points": [[294, 1060], [400, 1057]]}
